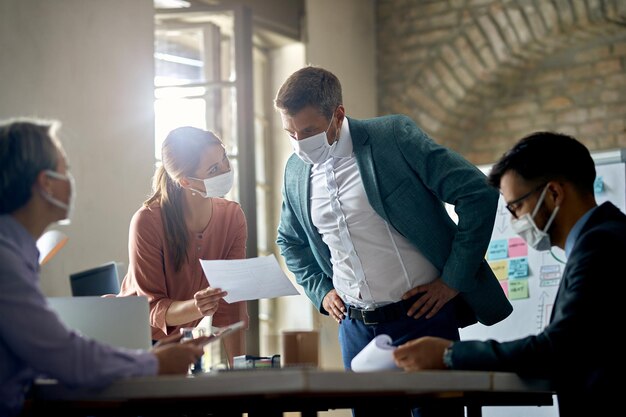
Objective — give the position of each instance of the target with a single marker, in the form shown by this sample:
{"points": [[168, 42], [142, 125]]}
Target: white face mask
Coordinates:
{"points": [[217, 186], [314, 149], [527, 229], [69, 206]]}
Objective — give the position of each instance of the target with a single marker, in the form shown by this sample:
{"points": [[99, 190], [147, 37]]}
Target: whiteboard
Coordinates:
{"points": [[531, 279]]}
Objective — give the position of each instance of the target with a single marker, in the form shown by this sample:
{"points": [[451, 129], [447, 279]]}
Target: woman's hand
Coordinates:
{"points": [[207, 300]]}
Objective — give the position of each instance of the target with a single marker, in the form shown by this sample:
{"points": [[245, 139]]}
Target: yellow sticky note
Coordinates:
{"points": [[500, 269]]}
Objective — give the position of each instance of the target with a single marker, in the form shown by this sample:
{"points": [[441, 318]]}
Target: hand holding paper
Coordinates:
{"points": [[376, 356], [248, 279]]}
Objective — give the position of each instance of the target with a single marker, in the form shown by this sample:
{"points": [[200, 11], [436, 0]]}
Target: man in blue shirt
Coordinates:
{"points": [[547, 181], [36, 189]]}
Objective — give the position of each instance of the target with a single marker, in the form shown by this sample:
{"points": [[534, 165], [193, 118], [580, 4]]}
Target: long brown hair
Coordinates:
{"points": [[181, 152]]}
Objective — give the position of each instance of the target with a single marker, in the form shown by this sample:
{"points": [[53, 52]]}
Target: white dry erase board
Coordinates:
{"points": [[530, 278]]}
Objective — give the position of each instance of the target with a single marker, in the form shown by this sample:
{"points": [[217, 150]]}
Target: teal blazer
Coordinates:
{"points": [[406, 176]]}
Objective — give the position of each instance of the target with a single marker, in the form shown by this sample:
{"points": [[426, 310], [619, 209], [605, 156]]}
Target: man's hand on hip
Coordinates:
{"points": [[334, 305], [436, 295]]}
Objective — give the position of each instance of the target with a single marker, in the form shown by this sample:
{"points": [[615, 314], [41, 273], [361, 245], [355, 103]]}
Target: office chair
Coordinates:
{"points": [[96, 281]]}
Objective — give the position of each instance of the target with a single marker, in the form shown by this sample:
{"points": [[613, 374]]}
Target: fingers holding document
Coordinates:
{"points": [[207, 300], [422, 353]]}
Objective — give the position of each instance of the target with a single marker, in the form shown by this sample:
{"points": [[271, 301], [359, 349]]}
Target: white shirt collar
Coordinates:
{"points": [[344, 144]]}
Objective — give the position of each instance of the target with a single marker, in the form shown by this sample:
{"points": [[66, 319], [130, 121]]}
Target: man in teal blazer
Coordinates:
{"points": [[406, 177]]}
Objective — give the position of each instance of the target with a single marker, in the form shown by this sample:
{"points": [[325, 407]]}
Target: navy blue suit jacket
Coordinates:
{"points": [[576, 350]]}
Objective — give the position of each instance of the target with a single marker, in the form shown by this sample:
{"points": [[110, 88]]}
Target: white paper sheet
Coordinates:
{"points": [[376, 356], [248, 279]]}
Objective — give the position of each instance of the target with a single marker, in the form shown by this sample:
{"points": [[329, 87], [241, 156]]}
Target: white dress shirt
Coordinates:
{"points": [[373, 264]]}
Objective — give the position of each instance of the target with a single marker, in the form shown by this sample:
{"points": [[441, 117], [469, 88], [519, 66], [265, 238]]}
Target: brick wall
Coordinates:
{"points": [[477, 75]]}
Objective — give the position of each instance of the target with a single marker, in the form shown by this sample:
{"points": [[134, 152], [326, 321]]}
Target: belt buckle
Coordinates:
{"points": [[365, 321]]}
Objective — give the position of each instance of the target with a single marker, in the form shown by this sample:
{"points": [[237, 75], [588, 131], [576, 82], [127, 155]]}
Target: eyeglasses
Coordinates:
{"points": [[514, 205]]}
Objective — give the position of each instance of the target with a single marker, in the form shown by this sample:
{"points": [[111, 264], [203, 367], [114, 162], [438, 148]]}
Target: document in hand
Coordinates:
{"points": [[377, 355], [248, 279]]}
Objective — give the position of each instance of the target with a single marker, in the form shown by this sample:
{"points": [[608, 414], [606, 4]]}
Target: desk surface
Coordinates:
{"points": [[298, 388]]}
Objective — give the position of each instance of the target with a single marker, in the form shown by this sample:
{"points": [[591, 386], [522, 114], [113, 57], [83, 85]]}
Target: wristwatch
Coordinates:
{"points": [[447, 356]]}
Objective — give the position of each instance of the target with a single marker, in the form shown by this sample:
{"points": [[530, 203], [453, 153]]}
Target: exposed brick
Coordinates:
{"points": [[572, 116], [536, 24], [598, 112], [609, 96], [558, 103], [472, 62], [593, 55], [608, 66], [580, 12], [617, 125], [432, 79], [445, 98], [581, 71], [606, 142], [467, 79], [496, 41], [550, 17], [549, 76], [476, 37], [487, 57], [565, 12], [450, 55], [592, 129], [505, 27], [518, 22], [619, 49], [433, 36]]}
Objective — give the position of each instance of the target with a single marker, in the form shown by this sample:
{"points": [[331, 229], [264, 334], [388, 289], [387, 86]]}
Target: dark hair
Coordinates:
{"points": [[310, 86], [545, 156], [181, 153], [27, 147]]}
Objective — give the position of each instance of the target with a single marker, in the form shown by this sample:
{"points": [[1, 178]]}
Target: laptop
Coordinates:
{"points": [[118, 321], [100, 280]]}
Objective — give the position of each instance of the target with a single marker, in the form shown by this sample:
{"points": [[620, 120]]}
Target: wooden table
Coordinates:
{"points": [[270, 392]]}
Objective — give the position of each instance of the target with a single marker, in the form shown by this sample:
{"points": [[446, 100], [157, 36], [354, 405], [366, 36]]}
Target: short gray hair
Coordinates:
{"points": [[27, 147]]}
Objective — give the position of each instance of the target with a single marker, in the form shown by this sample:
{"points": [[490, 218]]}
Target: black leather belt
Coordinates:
{"points": [[389, 312]]}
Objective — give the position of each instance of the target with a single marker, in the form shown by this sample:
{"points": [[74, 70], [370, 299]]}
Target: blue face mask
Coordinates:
{"points": [[526, 227]]}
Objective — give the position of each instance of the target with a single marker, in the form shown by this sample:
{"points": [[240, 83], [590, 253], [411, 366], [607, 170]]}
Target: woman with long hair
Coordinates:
{"points": [[187, 219]]}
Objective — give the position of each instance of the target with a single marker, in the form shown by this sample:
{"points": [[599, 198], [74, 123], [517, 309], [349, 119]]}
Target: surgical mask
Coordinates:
{"points": [[217, 186], [69, 206], [527, 229], [314, 149]]}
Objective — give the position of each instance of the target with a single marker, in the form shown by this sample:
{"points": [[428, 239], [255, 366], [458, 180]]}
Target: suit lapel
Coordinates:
{"points": [[365, 162]]}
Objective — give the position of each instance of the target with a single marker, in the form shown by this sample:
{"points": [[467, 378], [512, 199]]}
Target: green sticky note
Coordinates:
{"points": [[518, 289]]}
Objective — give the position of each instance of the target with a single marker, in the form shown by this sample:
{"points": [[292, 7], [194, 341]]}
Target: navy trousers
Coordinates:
{"points": [[354, 335]]}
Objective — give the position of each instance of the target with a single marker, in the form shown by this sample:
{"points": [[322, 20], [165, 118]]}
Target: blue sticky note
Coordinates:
{"points": [[598, 185], [498, 249], [518, 268]]}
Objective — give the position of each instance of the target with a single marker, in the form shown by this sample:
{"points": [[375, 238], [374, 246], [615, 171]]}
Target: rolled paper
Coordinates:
{"points": [[376, 356]]}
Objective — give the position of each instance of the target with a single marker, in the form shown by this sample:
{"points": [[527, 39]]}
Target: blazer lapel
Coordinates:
{"points": [[365, 162]]}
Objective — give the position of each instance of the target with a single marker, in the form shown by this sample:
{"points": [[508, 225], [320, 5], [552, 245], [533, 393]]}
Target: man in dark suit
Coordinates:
{"points": [[364, 229], [547, 180]]}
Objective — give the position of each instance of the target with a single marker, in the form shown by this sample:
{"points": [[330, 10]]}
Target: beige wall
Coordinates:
{"points": [[88, 64]]}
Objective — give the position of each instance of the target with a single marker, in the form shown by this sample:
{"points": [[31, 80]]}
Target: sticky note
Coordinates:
{"points": [[518, 289], [598, 185], [518, 268], [505, 287], [498, 249], [517, 247], [500, 269]]}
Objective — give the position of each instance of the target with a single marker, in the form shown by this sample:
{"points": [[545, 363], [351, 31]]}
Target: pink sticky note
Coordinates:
{"points": [[505, 287], [517, 247]]}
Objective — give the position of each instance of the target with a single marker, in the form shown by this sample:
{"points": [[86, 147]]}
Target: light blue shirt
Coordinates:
{"points": [[573, 234], [34, 342]]}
